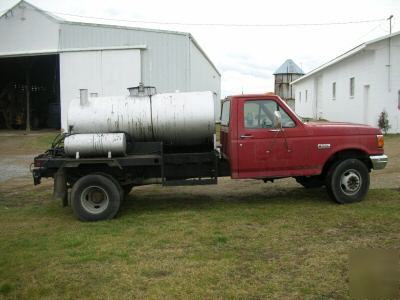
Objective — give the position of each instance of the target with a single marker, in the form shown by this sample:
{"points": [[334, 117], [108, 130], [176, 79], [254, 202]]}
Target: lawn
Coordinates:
{"points": [[287, 243], [239, 239]]}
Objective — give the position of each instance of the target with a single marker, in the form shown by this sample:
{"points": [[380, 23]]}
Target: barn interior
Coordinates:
{"points": [[30, 92]]}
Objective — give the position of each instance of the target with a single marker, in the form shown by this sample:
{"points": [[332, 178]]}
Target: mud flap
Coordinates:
{"points": [[60, 191]]}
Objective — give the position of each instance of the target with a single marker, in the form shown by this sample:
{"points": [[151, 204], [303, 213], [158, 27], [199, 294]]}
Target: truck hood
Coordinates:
{"points": [[340, 128]]}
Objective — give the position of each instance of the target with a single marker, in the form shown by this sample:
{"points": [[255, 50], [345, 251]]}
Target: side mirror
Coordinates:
{"points": [[277, 120]]}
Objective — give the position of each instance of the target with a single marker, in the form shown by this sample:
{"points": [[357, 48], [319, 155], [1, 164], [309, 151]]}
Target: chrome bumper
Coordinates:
{"points": [[379, 162]]}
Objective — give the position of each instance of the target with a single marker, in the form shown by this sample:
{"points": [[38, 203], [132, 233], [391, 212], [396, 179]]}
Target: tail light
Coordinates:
{"points": [[37, 163], [380, 141]]}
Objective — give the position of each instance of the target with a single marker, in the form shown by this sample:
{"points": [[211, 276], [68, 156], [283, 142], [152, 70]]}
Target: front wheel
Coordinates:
{"points": [[348, 181], [95, 198]]}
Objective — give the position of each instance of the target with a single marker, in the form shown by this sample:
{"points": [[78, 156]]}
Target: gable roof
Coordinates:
{"points": [[60, 20], [345, 55], [33, 7], [289, 67]]}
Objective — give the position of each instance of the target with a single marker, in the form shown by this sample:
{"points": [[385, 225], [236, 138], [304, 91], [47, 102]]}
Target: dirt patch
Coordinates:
{"points": [[14, 166]]}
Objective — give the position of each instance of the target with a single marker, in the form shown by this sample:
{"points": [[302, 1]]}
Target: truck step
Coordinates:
{"points": [[190, 182]]}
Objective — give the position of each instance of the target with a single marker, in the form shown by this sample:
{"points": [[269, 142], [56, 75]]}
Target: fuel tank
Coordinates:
{"points": [[179, 119], [95, 145]]}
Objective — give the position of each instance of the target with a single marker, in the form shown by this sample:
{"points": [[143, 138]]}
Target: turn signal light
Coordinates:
{"points": [[380, 140]]}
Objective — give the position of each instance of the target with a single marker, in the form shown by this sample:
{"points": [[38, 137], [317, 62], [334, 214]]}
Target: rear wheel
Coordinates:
{"points": [[348, 181], [95, 198]]}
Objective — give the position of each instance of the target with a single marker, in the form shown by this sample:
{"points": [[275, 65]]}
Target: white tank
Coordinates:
{"points": [[174, 118], [95, 144]]}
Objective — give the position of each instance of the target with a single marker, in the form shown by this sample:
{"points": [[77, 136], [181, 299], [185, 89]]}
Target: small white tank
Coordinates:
{"points": [[174, 118], [95, 144]]}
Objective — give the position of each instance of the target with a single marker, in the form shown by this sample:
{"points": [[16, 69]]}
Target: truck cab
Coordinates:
{"points": [[262, 138]]}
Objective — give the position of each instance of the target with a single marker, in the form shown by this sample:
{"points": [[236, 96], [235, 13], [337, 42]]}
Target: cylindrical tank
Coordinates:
{"points": [[174, 118], [96, 144]]}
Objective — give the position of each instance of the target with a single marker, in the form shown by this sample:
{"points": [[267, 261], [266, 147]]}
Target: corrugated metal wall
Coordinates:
{"points": [[24, 30], [164, 61], [203, 76], [105, 72]]}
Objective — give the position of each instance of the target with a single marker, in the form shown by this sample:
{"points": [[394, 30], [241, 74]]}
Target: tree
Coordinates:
{"points": [[383, 122]]}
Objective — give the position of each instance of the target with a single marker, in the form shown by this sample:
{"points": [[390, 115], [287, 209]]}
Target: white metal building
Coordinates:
{"points": [[105, 59], [356, 86]]}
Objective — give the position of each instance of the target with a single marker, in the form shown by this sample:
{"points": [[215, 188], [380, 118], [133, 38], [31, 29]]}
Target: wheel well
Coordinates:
{"points": [[73, 174], [348, 153]]}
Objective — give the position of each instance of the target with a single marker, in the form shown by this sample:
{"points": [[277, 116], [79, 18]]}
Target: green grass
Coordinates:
{"points": [[288, 243], [39, 143]]}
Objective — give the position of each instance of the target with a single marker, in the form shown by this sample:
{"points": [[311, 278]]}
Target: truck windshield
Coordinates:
{"points": [[225, 112], [293, 112]]}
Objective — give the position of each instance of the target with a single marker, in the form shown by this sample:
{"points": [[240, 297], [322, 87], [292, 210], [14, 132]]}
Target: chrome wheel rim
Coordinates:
{"points": [[94, 199], [350, 182]]}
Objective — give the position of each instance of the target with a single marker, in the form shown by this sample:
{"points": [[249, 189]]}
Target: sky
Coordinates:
{"points": [[247, 56]]}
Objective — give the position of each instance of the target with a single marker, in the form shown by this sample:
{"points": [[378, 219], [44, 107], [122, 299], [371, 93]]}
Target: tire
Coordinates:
{"points": [[348, 181], [112, 178], [95, 198], [310, 182]]}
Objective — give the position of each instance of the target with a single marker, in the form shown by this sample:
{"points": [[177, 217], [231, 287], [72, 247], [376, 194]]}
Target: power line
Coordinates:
{"points": [[369, 32], [220, 24]]}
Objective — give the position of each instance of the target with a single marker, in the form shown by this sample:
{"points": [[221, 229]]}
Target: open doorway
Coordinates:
{"points": [[30, 92]]}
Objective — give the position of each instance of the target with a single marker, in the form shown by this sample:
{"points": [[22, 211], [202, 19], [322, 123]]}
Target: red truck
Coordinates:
{"points": [[260, 138]]}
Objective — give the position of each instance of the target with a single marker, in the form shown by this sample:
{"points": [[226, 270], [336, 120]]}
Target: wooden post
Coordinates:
{"points": [[28, 100]]}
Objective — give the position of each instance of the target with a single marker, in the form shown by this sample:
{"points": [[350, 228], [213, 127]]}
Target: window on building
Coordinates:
{"points": [[260, 114], [306, 95], [352, 87], [334, 90], [300, 97], [398, 101]]}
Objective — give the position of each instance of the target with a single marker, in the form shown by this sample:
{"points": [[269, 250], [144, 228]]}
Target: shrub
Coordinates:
{"points": [[383, 122]]}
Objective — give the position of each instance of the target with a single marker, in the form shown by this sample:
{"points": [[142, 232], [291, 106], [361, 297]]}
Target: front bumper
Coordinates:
{"points": [[379, 162]]}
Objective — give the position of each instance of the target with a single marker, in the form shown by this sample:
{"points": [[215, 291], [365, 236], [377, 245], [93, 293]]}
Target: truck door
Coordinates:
{"points": [[263, 150]]}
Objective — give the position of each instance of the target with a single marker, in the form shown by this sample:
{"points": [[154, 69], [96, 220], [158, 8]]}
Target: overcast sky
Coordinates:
{"points": [[248, 56]]}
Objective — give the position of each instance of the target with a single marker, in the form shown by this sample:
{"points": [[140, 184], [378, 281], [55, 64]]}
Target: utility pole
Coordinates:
{"points": [[28, 99], [390, 23]]}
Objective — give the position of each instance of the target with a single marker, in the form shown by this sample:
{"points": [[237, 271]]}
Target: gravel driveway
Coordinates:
{"points": [[12, 166]]}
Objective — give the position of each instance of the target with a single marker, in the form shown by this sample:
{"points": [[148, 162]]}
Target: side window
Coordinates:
{"points": [[225, 112], [398, 101], [352, 87], [260, 114]]}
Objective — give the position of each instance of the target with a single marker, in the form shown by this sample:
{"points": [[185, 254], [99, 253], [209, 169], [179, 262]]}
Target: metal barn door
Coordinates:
{"points": [[105, 72]]}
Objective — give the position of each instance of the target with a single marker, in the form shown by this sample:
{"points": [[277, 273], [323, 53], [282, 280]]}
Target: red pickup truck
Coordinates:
{"points": [[260, 138]]}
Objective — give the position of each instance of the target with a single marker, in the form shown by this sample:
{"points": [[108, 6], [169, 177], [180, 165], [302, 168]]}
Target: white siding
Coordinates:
{"points": [[106, 72], [164, 61], [371, 95], [203, 76], [305, 108], [24, 30]]}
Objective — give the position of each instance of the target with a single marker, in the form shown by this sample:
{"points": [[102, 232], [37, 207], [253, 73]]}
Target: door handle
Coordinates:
{"points": [[274, 130], [246, 136]]}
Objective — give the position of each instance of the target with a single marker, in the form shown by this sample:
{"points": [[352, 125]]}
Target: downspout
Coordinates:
{"points": [[389, 63], [389, 53]]}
